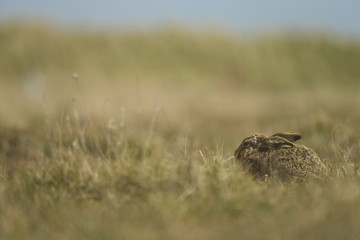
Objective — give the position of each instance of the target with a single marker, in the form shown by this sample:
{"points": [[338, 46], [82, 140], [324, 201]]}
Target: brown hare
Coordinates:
{"points": [[279, 157]]}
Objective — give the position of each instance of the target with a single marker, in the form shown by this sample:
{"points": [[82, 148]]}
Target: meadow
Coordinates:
{"points": [[130, 134]]}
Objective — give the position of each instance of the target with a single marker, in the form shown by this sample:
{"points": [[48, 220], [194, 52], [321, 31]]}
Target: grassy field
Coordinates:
{"points": [[130, 134]]}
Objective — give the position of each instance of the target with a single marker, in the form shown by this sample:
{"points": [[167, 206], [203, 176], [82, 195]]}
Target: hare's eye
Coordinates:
{"points": [[245, 144]]}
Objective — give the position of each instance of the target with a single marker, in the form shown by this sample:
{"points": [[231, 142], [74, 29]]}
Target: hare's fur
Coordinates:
{"points": [[279, 157]]}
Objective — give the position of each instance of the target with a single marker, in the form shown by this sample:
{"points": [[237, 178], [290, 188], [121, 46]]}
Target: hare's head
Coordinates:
{"points": [[260, 143], [249, 145]]}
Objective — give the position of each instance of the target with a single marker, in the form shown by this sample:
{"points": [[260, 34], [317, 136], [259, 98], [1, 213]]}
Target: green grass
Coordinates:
{"points": [[140, 145], [302, 60]]}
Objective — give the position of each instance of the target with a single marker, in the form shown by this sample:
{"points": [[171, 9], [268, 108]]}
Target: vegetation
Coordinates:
{"points": [[298, 60], [130, 135]]}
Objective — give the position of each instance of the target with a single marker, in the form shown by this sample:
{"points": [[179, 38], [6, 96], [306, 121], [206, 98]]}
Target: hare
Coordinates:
{"points": [[279, 157]]}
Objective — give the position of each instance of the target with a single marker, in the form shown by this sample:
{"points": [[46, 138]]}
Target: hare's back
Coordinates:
{"points": [[298, 161]]}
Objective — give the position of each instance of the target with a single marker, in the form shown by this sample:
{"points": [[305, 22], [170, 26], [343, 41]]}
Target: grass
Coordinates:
{"points": [[302, 60], [140, 145]]}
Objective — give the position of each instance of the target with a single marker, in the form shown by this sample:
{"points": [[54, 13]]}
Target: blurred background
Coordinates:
{"points": [[214, 70], [240, 16], [120, 118]]}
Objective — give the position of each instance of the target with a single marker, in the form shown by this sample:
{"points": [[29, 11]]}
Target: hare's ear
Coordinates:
{"points": [[290, 136], [275, 142]]}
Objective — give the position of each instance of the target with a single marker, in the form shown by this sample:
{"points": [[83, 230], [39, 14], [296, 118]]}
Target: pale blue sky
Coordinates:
{"points": [[251, 16]]}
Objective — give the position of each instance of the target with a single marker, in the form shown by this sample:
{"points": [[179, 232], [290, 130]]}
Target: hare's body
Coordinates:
{"points": [[279, 157]]}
